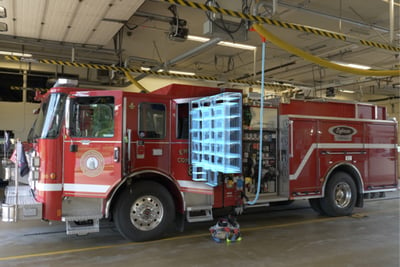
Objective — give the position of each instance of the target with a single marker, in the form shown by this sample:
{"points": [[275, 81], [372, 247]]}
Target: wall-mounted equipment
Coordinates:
{"points": [[178, 30], [330, 92]]}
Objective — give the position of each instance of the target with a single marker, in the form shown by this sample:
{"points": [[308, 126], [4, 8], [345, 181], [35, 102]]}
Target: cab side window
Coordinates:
{"points": [[182, 131], [152, 120], [92, 117]]}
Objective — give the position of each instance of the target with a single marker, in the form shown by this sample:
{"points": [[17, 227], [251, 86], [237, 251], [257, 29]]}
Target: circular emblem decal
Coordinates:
{"points": [[92, 163]]}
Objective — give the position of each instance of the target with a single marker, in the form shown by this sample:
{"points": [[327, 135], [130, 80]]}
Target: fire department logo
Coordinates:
{"points": [[342, 132], [92, 163]]}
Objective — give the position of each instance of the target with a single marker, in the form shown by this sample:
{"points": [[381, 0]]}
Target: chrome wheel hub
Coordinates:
{"points": [[146, 213], [342, 195]]}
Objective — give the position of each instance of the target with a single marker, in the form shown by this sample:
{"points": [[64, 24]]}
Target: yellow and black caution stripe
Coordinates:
{"points": [[275, 22], [273, 86], [293, 26], [127, 71], [379, 45], [112, 68]]}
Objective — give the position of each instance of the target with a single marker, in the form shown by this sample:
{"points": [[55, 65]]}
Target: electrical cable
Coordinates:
{"points": [[134, 27], [174, 11], [223, 25]]}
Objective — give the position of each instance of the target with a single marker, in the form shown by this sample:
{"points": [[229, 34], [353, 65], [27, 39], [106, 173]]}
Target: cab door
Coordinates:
{"points": [[92, 143], [148, 120]]}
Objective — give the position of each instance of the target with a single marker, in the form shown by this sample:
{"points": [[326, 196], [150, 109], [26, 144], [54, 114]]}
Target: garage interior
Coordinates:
{"points": [[140, 46]]}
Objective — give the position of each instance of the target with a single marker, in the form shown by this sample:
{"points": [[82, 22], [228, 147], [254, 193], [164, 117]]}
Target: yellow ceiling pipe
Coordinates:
{"points": [[317, 60], [134, 82]]}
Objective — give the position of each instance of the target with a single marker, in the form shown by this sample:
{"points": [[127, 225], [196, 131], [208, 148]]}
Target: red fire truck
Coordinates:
{"points": [[151, 161]]}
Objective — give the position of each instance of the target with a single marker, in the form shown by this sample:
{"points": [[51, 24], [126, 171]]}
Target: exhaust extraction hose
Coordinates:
{"points": [[317, 60], [260, 158], [134, 82]]}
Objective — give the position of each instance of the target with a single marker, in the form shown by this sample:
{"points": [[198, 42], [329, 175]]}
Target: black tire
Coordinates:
{"points": [[315, 204], [340, 195], [144, 211]]}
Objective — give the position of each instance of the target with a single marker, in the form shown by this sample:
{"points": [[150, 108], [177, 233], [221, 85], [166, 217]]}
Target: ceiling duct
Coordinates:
{"points": [[183, 56]]}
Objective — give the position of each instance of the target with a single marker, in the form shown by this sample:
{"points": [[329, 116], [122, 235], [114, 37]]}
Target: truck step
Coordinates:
{"points": [[82, 225], [199, 214], [21, 207], [11, 191]]}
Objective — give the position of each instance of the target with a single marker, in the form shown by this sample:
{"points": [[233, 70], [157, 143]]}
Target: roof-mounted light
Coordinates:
{"points": [[64, 82]]}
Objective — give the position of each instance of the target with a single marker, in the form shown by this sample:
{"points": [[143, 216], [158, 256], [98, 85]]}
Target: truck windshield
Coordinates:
{"points": [[50, 117]]}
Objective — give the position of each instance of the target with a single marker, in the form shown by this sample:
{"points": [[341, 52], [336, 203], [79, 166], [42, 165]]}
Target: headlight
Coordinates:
{"points": [[35, 175], [36, 162]]}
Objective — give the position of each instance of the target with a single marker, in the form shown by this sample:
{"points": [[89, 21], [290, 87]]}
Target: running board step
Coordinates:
{"points": [[82, 225], [20, 204], [199, 214]]}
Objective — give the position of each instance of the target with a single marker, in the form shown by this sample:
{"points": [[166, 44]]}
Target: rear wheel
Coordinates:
{"points": [[144, 212], [340, 195]]}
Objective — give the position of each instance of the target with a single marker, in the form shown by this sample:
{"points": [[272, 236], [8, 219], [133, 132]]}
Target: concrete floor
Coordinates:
{"points": [[275, 236]]}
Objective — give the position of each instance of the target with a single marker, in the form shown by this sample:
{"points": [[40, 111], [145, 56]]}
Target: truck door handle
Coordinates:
{"points": [[116, 154], [73, 148]]}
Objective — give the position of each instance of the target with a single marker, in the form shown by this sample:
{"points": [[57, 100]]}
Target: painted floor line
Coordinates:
{"points": [[250, 229]]}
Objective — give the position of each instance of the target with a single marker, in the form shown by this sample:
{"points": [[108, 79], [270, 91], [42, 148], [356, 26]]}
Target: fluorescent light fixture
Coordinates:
{"points": [[198, 38], [182, 72], [237, 45], [395, 3], [149, 69], [222, 43], [7, 53], [347, 91], [352, 65], [171, 71]]}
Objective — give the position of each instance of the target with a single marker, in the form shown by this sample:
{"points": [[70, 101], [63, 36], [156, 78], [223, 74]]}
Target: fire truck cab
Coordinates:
{"points": [[149, 161]]}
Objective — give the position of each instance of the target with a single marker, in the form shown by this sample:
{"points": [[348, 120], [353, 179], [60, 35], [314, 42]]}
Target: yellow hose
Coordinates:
{"points": [[134, 82], [291, 49]]}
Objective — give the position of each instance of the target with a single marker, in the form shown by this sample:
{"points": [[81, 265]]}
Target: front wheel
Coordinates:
{"points": [[144, 211], [340, 195]]}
